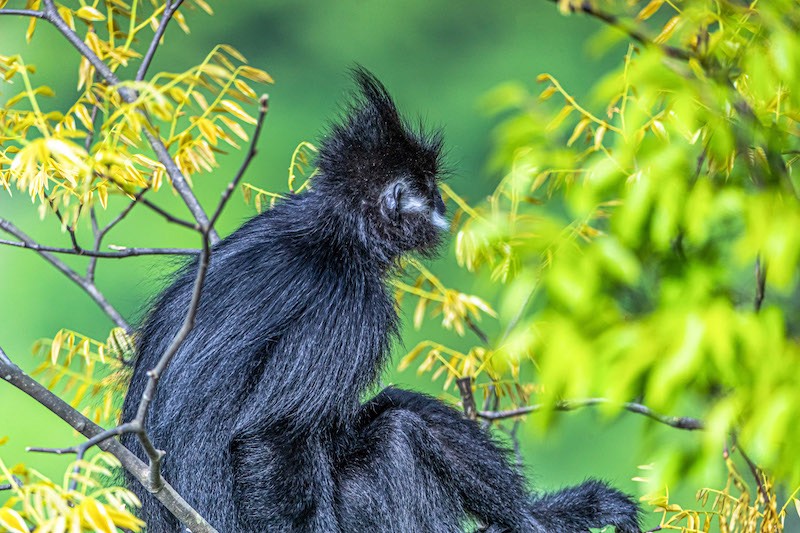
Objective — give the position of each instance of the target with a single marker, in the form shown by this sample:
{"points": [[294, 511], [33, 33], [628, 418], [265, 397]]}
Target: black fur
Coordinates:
{"points": [[260, 411]]}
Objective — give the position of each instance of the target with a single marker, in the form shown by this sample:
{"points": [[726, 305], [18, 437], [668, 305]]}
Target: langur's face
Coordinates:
{"points": [[412, 206]]}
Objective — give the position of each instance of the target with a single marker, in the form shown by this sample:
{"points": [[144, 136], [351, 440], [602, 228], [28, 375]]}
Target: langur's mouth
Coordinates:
{"points": [[439, 221]]}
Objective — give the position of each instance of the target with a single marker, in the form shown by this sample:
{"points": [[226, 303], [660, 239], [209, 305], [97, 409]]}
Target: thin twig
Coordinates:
{"points": [[4, 358], [90, 137], [90, 268], [98, 239], [81, 449], [85, 284], [754, 469], [520, 313], [512, 433], [169, 217], [155, 373], [761, 280], [118, 254], [69, 228], [17, 482], [491, 400], [99, 234], [169, 11], [251, 153], [467, 398], [476, 329], [124, 212], [678, 422], [612, 20], [23, 13]]}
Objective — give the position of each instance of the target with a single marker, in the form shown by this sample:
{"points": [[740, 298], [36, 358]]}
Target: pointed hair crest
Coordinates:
{"points": [[372, 141]]}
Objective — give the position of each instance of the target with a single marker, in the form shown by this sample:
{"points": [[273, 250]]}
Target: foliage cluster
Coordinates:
{"points": [[647, 238], [124, 134]]}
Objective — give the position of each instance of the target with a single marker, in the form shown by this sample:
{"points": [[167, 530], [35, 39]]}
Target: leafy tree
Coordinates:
{"points": [[646, 249], [126, 134], [641, 245]]}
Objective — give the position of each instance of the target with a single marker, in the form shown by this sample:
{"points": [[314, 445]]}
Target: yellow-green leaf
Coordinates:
{"points": [[256, 74], [598, 136], [668, 30], [578, 130], [559, 118], [650, 9], [12, 522], [90, 14], [235, 109]]}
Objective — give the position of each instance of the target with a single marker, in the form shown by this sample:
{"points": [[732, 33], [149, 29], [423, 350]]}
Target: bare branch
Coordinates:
{"points": [[16, 482], [137, 425], [71, 230], [758, 475], [467, 398], [519, 314], [4, 359], [50, 13], [88, 286], [179, 182], [169, 10], [678, 422], [165, 493], [120, 253], [81, 449], [169, 217], [87, 144], [23, 12], [476, 329], [492, 400], [612, 20], [251, 153], [98, 236], [124, 212], [188, 324], [761, 281], [98, 239]]}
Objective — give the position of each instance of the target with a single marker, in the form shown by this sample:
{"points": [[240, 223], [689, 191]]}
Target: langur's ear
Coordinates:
{"points": [[392, 200]]}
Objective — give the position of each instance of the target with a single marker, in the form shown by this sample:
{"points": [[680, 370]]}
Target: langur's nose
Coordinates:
{"points": [[438, 203]]}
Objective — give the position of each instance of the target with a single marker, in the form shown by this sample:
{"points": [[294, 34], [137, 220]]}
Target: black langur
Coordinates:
{"points": [[261, 410]]}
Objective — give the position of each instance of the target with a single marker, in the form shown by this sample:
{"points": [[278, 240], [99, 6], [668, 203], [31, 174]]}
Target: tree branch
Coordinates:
{"points": [[50, 13], [467, 398], [165, 493], [137, 426], [124, 212], [476, 329], [120, 253], [758, 475], [169, 217], [23, 13], [155, 373], [251, 153], [169, 10], [682, 422], [761, 280], [71, 230], [4, 359], [612, 20], [88, 286]]}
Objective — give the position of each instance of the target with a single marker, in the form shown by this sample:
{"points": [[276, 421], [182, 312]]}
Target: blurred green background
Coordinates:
{"points": [[436, 57]]}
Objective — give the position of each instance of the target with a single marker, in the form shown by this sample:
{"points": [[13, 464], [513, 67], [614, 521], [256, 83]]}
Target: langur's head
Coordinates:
{"points": [[385, 171]]}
